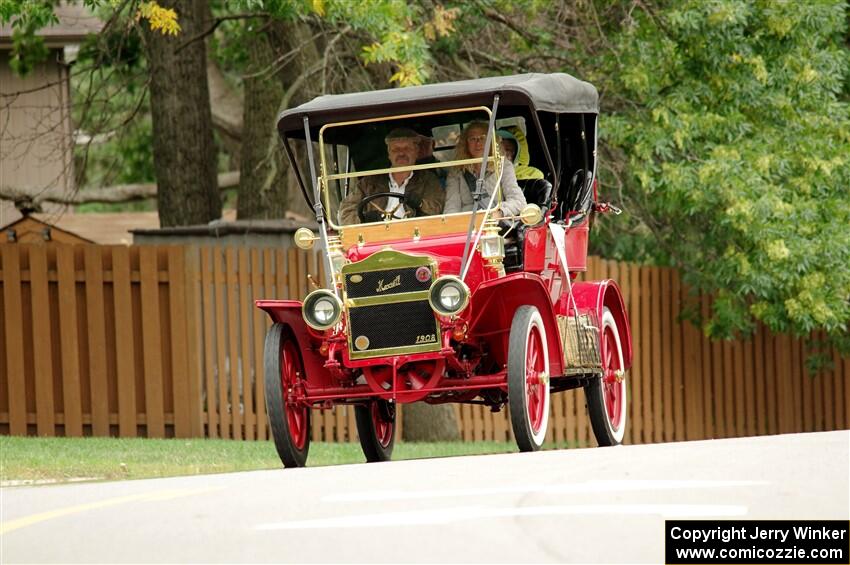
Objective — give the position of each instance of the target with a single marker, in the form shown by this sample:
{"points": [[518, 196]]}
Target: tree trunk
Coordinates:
{"points": [[183, 147], [268, 188], [263, 167], [430, 422], [227, 109], [296, 78], [225, 102]]}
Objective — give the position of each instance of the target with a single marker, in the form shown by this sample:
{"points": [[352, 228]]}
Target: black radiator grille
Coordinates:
{"points": [[391, 281], [393, 325]]}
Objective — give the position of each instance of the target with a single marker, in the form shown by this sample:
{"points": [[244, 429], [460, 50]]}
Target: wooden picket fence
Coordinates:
{"points": [[164, 341]]}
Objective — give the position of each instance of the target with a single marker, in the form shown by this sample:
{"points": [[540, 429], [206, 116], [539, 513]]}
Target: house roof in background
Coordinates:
{"points": [[110, 228], [33, 230], [105, 229], [75, 23]]}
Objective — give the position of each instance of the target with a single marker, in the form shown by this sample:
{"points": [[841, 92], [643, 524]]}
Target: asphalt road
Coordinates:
{"points": [[586, 506]]}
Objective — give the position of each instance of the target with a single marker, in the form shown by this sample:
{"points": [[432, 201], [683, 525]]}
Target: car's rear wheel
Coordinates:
{"points": [[606, 396], [289, 420], [376, 428], [528, 378]]}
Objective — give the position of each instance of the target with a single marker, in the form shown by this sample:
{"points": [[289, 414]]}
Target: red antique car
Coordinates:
{"points": [[443, 306]]}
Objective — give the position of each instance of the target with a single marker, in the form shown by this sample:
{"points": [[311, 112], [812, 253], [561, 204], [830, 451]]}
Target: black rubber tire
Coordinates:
{"points": [[372, 448], [524, 318], [603, 429], [290, 454]]}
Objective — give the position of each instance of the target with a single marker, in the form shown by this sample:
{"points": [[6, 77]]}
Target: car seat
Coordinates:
{"points": [[536, 191]]}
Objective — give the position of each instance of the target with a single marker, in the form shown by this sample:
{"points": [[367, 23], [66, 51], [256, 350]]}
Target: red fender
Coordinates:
{"points": [[494, 302], [288, 312], [595, 295]]}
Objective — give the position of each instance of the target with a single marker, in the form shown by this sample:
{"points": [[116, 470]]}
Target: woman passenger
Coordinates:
{"points": [[460, 183]]}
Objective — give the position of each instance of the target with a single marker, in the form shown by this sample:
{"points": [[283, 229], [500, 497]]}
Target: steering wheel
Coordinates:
{"points": [[385, 214]]}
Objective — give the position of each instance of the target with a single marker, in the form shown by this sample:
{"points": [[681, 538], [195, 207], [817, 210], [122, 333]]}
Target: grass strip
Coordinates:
{"points": [[63, 459]]}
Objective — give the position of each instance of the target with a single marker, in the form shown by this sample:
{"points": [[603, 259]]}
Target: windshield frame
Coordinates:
{"points": [[495, 158]]}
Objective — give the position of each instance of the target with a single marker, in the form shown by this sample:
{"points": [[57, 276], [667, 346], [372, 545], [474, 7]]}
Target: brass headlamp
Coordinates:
{"points": [[304, 238], [338, 258]]}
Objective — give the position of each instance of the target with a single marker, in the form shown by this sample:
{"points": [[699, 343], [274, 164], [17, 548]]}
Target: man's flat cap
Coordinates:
{"points": [[401, 133]]}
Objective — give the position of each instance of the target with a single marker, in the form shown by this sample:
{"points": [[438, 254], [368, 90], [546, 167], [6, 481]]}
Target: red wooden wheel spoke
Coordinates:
{"points": [[611, 403], [612, 388], [532, 354], [534, 391], [385, 433], [383, 429], [296, 415]]}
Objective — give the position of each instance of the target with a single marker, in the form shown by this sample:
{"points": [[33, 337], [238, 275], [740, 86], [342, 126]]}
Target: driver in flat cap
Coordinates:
{"points": [[419, 192]]}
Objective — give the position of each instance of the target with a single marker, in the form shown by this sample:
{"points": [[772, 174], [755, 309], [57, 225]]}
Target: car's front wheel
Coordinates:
{"points": [[528, 378], [289, 420], [376, 429]]}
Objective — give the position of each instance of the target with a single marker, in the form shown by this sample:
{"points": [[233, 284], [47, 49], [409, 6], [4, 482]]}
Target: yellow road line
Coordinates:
{"points": [[6, 527]]}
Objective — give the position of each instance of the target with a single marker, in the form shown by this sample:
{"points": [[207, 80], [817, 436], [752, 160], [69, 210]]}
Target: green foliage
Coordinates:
{"points": [[396, 39], [476, 21], [114, 47], [737, 149], [27, 17], [397, 29], [122, 158]]}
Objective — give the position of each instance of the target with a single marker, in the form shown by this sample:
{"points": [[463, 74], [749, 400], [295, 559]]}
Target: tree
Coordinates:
{"points": [[263, 169], [183, 147], [736, 154]]}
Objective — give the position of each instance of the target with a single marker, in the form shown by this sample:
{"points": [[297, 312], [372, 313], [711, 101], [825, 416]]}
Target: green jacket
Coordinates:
{"points": [[523, 170]]}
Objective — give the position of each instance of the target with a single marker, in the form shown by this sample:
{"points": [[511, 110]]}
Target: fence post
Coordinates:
{"points": [[178, 313], [68, 340], [96, 322], [245, 354], [152, 341], [259, 291], [125, 348], [194, 345], [43, 350], [13, 319], [208, 314]]}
